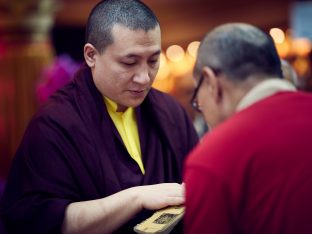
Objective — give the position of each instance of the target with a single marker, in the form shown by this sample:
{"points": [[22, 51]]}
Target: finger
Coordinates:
{"points": [[173, 201]]}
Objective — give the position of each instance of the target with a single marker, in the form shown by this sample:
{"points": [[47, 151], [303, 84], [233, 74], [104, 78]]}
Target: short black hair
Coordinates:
{"points": [[239, 50], [132, 14]]}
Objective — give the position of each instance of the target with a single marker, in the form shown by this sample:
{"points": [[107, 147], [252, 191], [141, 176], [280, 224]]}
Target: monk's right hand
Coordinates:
{"points": [[154, 197]]}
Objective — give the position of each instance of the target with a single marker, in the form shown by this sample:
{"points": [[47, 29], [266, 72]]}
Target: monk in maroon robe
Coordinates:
{"points": [[72, 171]]}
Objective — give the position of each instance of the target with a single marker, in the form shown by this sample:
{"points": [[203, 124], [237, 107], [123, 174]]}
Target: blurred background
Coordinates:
{"points": [[41, 46]]}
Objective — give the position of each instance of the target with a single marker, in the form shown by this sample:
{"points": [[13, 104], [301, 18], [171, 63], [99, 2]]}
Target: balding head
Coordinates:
{"points": [[239, 51], [232, 59]]}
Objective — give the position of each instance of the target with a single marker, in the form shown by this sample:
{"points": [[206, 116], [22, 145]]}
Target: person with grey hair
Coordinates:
{"points": [[252, 171], [106, 149]]}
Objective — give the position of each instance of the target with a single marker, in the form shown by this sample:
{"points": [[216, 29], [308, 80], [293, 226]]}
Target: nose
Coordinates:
{"points": [[142, 77]]}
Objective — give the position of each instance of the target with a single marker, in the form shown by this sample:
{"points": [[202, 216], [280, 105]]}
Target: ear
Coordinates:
{"points": [[89, 52], [214, 86]]}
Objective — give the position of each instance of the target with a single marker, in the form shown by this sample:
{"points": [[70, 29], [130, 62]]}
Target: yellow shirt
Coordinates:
{"points": [[127, 127]]}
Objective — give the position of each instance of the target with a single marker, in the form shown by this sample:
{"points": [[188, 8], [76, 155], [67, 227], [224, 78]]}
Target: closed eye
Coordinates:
{"points": [[153, 61], [128, 64]]}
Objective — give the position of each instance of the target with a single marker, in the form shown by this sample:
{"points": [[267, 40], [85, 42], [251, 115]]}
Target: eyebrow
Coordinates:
{"points": [[135, 55]]}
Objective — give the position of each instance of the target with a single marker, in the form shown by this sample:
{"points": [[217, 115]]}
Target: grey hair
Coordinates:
{"points": [[239, 50]]}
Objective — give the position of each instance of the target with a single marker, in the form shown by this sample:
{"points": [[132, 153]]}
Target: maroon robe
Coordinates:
{"points": [[72, 152]]}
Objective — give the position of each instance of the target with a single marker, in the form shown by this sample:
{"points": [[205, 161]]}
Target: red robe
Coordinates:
{"points": [[253, 173], [72, 152]]}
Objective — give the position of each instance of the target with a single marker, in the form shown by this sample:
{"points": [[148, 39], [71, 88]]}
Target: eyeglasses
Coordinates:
{"points": [[194, 101]]}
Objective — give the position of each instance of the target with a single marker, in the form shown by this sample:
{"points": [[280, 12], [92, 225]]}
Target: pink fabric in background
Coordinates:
{"points": [[55, 76]]}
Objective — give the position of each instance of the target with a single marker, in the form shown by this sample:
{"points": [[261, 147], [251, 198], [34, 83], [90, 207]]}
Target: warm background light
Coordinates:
{"points": [[301, 65], [164, 69], [283, 49], [175, 53], [278, 35], [163, 81], [192, 48], [301, 46], [183, 66]]}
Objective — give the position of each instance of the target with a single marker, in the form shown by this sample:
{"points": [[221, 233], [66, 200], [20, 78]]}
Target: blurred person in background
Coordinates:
{"points": [[105, 149], [252, 172]]}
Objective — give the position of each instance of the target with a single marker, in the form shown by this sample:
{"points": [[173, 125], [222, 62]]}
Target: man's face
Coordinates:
{"points": [[126, 69], [208, 102]]}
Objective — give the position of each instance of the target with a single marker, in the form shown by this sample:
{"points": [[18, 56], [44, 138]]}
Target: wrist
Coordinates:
{"points": [[135, 196]]}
